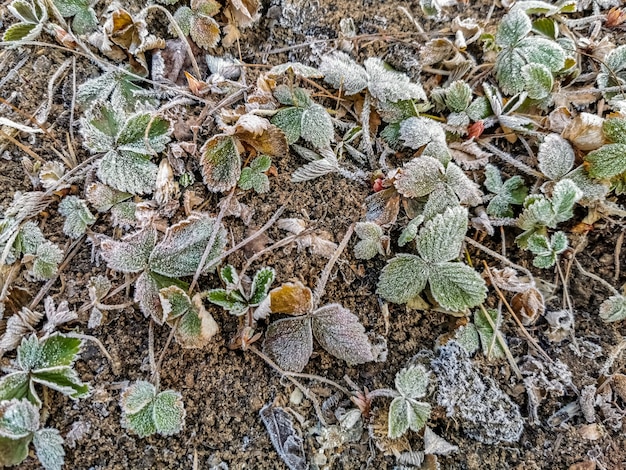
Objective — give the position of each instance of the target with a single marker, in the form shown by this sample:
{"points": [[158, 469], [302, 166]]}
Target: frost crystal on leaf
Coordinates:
{"points": [[546, 250], [508, 193], [613, 309], [77, 216], [285, 439], [372, 240], [343, 73], [555, 156], [254, 177], [221, 163]]}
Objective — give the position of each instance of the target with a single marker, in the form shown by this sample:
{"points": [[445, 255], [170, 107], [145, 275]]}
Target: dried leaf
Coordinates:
{"points": [[292, 298], [286, 441], [528, 304], [221, 163], [289, 343]]}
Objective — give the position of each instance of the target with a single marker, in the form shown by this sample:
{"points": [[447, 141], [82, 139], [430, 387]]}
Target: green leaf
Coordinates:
{"points": [[229, 275], [546, 251], [417, 132], [412, 382], [25, 11], [13, 451], [254, 177], [29, 353], [316, 126], [538, 81], [456, 286], [141, 423], [261, 284], [100, 127], [77, 216], [371, 243], [608, 161], [85, 21], [18, 419], [196, 327], [410, 231], [168, 413], [388, 85], [458, 96], [613, 309], [511, 192], [22, 32], [615, 129], [47, 260], [49, 448], [613, 70], [340, 333], [58, 350], [180, 252], [137, 397], [419, 177], [564, 196], [467, 190], [132, 136], [175, 302], [403, 278], [62, 379], [232, 301], [289, 120], [488, 337], [221, 163], [129, 173], [546, 27], [441, 238], [14, 385], [69, 8]]}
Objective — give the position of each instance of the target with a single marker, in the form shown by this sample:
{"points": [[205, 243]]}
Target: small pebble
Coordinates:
{"points": [[296, 396]]}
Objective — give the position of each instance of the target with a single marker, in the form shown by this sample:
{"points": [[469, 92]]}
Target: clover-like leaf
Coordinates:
{"points": [[116, 85], [416, 132], [456, 286], [77, 216], [613, 309], [547, 250], [508, 193], [340, 333], [404, 414], [419, 177], [168, 412], [131, 253], [289, 343], [491, 346], [221, 163], [254, 177], [18, 418], [441, 238], [403, 278], [137, 397], [47, 259], [458, 96], [232, 301], [180, 252], [513, 28], [412, 382], [32, 16], [84, 16], [372, 240]]}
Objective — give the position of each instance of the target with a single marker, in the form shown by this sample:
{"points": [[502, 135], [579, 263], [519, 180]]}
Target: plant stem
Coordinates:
{"points": [[608, 286]]}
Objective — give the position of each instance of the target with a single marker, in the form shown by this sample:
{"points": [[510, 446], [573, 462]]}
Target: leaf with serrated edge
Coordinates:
{"points": [[419, 177], [564, 196], [456, 286], [316, 126], [412, 382], [147, 295], [343, 73], [49, 448], [129, 173], [289, 120], [513, 27], [221, 163], [490, 344], [130, 254], [467, 191], [441, 238], [231, 301], [403, 278], [14, 385], [538, 81], [289, 343], [371, 236], [141, 423], [168, 412], [398, 421], [77, 216], [260, 285], [388, 85], [58, 350], [608, 161], [340, 333], [175, 302], [18, 418], [137, 396], [196, 327], [416, 132], [555, 156], [62, 379]]}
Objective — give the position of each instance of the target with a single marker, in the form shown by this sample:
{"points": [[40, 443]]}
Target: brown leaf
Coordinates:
{"points": [[244, 12], [468, 154], [383, 207], [205, 31], [293, 298], [528, 306], [619, 385], [508, 280]]}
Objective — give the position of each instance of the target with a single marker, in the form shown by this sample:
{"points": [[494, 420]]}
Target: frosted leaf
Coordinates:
{"points": [[175, 302], [137, 396], [564, 196], [441, 238], [132, 136], [196, 327], [404, 414], [47, 259], [182, 247], [555, 156], [261, 283], [613, 309], [403, 278], [130, 254], [388, 85], [29, 238], [410, 231], [513, 27], [229, 275], [467, 337], [371, 242], [18, 418], [289, 120], [538, 81], [17, 327], [467, 191], [49, 448], [124, 214], [77, 216], [613, 70], [412, 382], [419, 177], [15, 385], [343, 73], [254, 177], [416, 132], [296, 68], [116, 85], [204, 31], [458, 96], [51, 173], [316, 126], [608, 161], [57, 315], [140, 423], [539, 50], [168, 412], [315, 169], [511, 192], [434, 444], [289, 343], [103, 198], [285, 439], [129, 173], [221, 163], [456, 286], [183, 16], [340, 333], [64, 380], [488, 336], [615, 129], [100, 127]]}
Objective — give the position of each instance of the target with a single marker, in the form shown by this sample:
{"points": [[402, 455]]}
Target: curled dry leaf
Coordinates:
{"points": [[585, 132], [318, 244], [434, 444], [469, 154], [507, 279], [528, 305], [292, 298]]}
